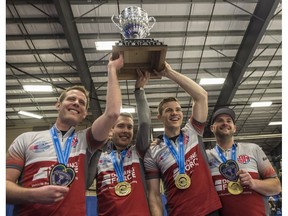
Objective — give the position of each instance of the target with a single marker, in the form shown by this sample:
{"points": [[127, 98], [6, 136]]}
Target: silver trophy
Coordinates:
{"points": [[133, 23], [139, 51]]}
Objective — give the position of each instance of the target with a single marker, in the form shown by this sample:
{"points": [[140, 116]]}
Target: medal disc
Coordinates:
{"points": [[123, 189], [235, 188], [182, 181], [62, 175]]}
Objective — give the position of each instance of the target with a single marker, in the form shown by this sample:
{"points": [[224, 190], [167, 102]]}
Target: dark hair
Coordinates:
{"points": [[165, 100], [76, 87]]}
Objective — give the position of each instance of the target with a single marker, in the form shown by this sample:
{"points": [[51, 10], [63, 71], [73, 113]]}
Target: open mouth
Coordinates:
{"points": [[74, 111], [174, 118]]}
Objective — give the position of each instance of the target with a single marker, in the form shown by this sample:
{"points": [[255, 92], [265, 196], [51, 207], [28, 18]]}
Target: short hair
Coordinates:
{"points": [[76, 87], [126, 114], [165, 100]]}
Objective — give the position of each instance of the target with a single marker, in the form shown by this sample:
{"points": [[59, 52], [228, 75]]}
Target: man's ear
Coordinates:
{"points": [[158, 116], [86, 113], [235, 129], [211, 128], [57, 105]]}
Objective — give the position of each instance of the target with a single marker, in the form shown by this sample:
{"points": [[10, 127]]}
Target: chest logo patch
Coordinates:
{"points": [[243, 159]]}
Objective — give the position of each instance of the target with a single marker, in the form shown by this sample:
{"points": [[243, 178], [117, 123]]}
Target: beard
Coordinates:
{"points": [[223, 135]]}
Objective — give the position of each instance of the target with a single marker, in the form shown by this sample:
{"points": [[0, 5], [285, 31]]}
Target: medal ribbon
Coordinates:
{"points": [[230, 163], [178, 157], [118, 167], [222, 156], [62, 156]]}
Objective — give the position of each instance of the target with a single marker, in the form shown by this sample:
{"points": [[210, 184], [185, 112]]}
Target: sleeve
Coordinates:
{"points": [[92, 144], [197, 126], [151, 169], [265, 168], [144, 123], [16, 153]]}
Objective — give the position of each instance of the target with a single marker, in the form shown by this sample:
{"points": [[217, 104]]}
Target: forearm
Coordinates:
{"points": [[18, 195], [144, 123], [198, 94], [113, 97], [191, 87], [154, 197], [102, 125], [155, 205], [267, 187]]}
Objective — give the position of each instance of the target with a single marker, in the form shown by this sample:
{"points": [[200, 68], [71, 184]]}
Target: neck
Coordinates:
{"points": [[224, 143], [172, 132], [120, 148], [62, 126]]}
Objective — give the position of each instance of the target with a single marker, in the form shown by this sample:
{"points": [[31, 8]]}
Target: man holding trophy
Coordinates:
{"points": [[45, 169], [178, 157]]}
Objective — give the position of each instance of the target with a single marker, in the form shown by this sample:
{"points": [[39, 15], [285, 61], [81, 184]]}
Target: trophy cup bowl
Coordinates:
{"points": [[133, 23], [139, 51]]}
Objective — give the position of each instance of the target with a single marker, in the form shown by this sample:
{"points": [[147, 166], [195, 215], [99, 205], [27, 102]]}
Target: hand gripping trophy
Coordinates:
{"points": [[139, 51]]}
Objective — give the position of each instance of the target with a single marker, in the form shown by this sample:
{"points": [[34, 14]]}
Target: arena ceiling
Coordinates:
{"points": [[240, 40]]}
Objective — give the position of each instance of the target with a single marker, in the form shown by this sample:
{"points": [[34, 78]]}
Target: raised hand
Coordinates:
{"points": [[142, 78]]}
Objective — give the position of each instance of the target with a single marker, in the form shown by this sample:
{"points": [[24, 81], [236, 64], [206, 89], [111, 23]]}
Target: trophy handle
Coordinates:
{"points": [[154, 21], [116, 18]]}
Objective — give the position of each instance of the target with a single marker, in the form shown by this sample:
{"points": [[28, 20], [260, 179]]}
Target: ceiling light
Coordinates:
{"points": [[261, 104], [104, 45], [128, 110], [38, 88], [158, 129], [211, 81], [30, 114], [276, 123]]}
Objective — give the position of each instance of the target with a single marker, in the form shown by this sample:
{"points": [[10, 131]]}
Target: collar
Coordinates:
{"points": [[71, 129], [223, 150]]}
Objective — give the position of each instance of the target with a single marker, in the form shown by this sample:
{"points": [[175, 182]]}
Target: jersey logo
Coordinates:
{"points": [[74, 142], [243, 159], [39, 146], [129, 153], [41, 174], [221, 184], [186, 139]]}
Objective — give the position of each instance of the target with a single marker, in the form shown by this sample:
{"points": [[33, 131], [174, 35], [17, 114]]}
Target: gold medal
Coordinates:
{"points": [[235, 188], [182, 181], [123, 189]]}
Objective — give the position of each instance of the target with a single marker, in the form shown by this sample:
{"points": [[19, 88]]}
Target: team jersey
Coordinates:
{"points": [[33, 154], [249, 157], [200, 198], [109, 203], [135, 203]]}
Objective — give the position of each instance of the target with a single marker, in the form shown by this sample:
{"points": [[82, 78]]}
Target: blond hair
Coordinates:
{"points": [[76, 87]]}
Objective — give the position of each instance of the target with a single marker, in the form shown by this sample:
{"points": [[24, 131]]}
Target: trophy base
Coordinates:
{"points": [[146, 54]]}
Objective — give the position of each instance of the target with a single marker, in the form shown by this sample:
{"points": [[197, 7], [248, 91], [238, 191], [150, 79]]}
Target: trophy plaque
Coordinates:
{"points": [[138, 51]]}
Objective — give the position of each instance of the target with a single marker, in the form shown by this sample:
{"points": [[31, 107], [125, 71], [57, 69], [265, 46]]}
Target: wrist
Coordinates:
{"points": [[138, 88]]}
